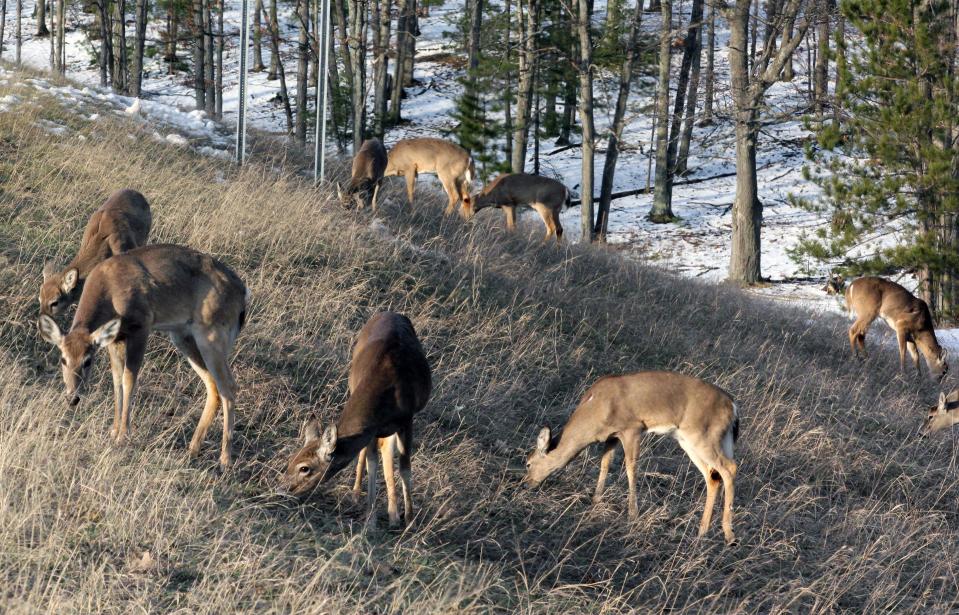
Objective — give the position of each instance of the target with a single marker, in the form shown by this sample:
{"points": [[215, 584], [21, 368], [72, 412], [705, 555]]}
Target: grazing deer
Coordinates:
{"points": [[389, 382], [192, 297], [702, 417], [908, 316], [835, 285], [369, 163], [943, 415], [511, 190], [451, 163], [120, 224]]}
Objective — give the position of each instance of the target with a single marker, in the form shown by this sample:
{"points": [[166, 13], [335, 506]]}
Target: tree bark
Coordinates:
{"points": [[302, 63], [42, 29], [662, 210], [274, 44], [586, 116], [413, 27], [687, 134], [528, 22], [381, 47], [199, 73], [209, 49], [3, 24], [19, 33], [142, 11], [402, 33], [258, 65], [106, 44], [280, 71], [121, 69], [708, 90], [218, 112], [358, 38], [619, 122], [172, 33], [679, 108], [820, 71]]}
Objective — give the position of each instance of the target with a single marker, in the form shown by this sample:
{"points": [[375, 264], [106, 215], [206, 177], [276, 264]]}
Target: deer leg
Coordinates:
{"points": [[914, 353], [452, 194], [135, 349], [543, 212], [371, 458], [117, 350], [410, 185], [187, 347], [609, 450], [404, 444], [214, 348], [376, 194], [712, 484], [557, 226], [387, 449], [726, 468], [510, 212], [630, 442], [901, 338], [358, 483]]}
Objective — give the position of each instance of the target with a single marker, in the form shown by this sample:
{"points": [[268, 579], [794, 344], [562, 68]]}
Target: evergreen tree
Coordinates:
{"points": [[900, 176]]}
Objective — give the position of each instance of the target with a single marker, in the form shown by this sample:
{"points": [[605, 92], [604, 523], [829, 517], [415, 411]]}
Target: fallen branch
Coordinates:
{"points": [[619, 195]]}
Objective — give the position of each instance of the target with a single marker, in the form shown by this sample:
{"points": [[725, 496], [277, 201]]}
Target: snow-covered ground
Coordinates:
{"points": [[696, 246]]}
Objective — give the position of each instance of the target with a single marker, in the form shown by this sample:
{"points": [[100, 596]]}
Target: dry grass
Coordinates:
{"points": [[839, 506]]}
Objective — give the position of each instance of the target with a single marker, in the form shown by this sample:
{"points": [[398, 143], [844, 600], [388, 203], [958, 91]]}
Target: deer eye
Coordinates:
{"points": [[87, 361], [63, 361], [54, 303], [304, 470]]}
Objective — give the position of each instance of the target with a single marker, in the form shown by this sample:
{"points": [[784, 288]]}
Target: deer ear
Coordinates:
{"points": [[942, 403], [48, 270], [70, 278], [310, 432], [542, 441], [50, 331], [106, 334], [327, 444]]}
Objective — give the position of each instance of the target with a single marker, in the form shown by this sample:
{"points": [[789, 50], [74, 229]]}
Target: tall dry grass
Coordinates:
{"points": [[838, 505]]}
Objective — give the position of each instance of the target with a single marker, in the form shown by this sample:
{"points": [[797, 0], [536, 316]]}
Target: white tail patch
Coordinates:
{"points": [[728, 443], [247, 297], [468, 176]]}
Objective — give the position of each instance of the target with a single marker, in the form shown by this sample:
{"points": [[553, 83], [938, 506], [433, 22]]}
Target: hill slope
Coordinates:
{"points": [[838, 504]]}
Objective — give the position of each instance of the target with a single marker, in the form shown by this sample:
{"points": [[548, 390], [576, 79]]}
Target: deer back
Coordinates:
{"points": [[428, 155], [514, 189], [369, 164]]}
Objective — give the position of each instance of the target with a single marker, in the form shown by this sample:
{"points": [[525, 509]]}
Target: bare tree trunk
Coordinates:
{"points": [[42, 29], [662, 210], [121, 82], [821, 70], [274, 44], [258, 38], [209, 49], [142, 11], [508, 89], [358, 38], [687, 135], [219, 60], [199, 72], [528, 25], [381, 47], [690, 46], [619, 122], [413, 27], [172, 34], [106, 44], [302, 62], [708, 92], [402, 33], [840, 69], [19, 33], [3, 24], [586, 116], [789, 73], [280, 71]]}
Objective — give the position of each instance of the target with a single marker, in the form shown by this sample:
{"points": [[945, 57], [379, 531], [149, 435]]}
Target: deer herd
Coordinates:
{"points": [[125, 288]]}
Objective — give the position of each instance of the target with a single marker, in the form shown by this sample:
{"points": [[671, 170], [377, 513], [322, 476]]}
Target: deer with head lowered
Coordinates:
{"points": [[451, 163], [369, 163], [620, 409], [192, 297], [943, 415], [870, 297], [511, 190], [120, 224], [389, 382]]}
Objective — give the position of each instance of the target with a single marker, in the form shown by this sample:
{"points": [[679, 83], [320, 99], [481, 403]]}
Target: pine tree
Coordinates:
{"points": [[900, 177]]}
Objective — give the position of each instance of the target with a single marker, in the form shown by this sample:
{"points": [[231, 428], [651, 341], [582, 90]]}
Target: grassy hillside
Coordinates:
{"points": [[838, 504]]}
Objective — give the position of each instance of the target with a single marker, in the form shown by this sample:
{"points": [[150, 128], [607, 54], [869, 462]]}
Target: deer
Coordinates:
{"points": [[835, 285], [943, 415], [909, 316], [389, 382], [122, 223], [511, 190], [369, 163], [702, 418], [452, 164], [199, 302]]}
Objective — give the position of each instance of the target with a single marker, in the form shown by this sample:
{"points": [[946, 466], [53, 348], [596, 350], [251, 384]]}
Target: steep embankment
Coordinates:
{"points": [[838, 505]]}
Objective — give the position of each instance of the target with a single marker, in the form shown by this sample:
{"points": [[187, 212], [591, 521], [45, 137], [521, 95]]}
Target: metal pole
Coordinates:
{"points": [[322, 79], [244, 64]]}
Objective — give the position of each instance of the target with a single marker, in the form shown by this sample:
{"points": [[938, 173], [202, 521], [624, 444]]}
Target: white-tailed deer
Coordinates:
{"points": [[451, 163], [369, 163], [511, 190], [835, 285], [943, 415], [389, 382], [192, 297], [702, 417], [908, 316], [120, 224]]}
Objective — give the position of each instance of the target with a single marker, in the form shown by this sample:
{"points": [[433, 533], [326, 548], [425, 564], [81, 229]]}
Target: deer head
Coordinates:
{"points": [[58, 290], [538, 465], [939, 417], [835, 285], [77, 349], [310, 464]]}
